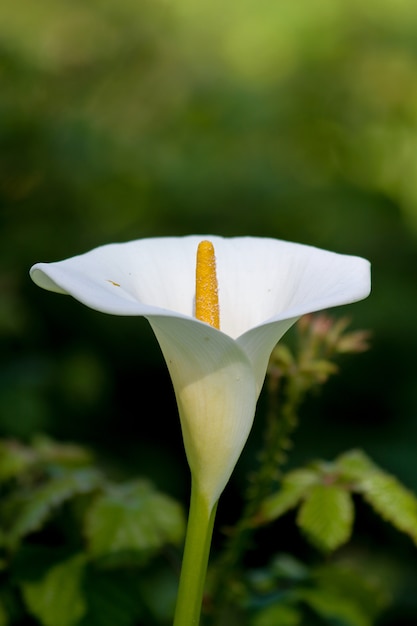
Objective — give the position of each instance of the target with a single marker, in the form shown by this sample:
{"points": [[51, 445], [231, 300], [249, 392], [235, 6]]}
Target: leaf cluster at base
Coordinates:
{"points": [[72, 542]]}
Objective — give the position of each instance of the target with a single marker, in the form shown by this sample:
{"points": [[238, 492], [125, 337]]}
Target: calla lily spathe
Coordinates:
{"points": [[265, 285]]}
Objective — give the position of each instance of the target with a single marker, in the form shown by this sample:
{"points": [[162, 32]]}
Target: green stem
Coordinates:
{"points": [[195, 560]]}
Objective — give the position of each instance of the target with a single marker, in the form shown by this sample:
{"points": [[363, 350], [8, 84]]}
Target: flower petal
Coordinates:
{"points": [[132, 278], [260, 279], [259, 343], [316, 280], [263, 280], [216, 394]]}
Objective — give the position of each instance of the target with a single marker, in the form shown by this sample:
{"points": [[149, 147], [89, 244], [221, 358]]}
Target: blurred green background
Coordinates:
{"points": [[122, 119]]}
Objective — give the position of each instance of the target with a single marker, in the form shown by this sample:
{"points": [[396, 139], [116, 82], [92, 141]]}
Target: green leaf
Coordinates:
{"points": [[281, 614], [354, 465], [392, 501], [326, 517], [294, 487], [335, 607], [344, 594], [57, 599], [33, 512], [387, 496], [133, 516]]}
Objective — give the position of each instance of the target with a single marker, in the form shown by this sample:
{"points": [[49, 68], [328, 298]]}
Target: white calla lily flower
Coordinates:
{"points": [[264, 286]]}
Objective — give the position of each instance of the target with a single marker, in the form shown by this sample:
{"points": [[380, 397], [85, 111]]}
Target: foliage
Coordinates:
{"points": [[105, 534], [326, 508], [334, 592]]}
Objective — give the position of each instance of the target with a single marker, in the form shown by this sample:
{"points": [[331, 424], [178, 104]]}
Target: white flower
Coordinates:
{"points": [[264, 285]]}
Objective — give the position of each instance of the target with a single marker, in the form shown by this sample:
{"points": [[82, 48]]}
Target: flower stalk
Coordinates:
{"points": [[195, 559]]}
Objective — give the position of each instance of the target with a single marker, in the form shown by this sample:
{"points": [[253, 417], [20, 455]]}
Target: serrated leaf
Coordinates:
{"points": [[354, 465], [39, 504], [387, 496], [57, 599], [392, 501], [295, 486], [326, 517], [133, 517]]}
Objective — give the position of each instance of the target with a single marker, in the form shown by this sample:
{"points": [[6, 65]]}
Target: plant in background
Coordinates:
{"points": [[217, 321], [77, 547]]}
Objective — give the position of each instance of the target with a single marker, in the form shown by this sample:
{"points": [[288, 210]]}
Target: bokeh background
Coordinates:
{"points": [[122, 119]]}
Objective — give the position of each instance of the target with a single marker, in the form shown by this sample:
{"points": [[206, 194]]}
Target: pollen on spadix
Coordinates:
{"points": [[206, 287]]}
